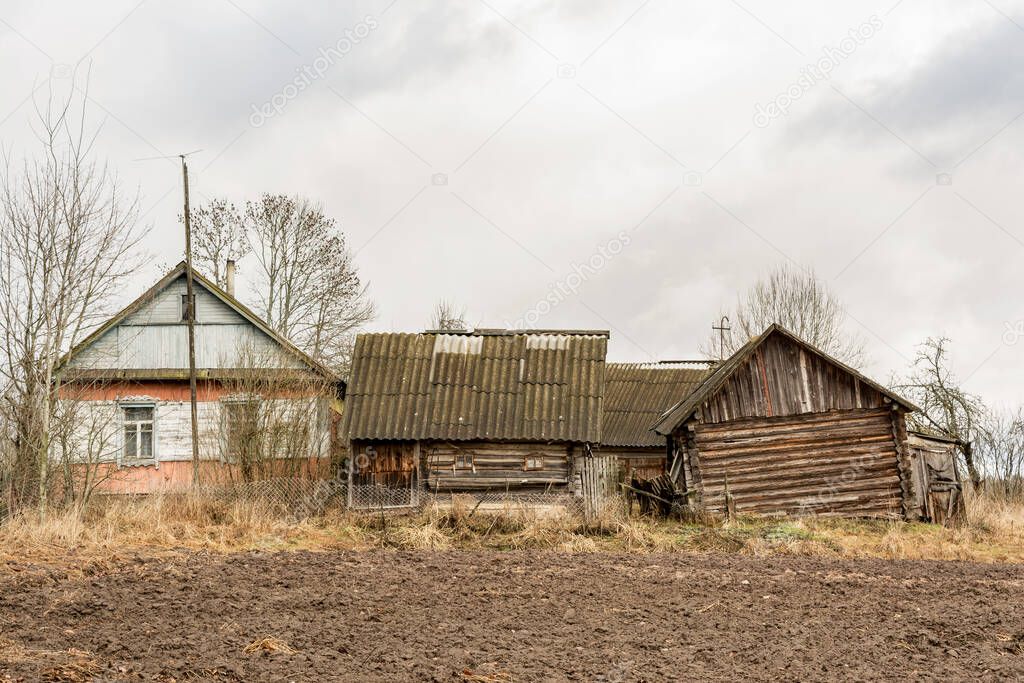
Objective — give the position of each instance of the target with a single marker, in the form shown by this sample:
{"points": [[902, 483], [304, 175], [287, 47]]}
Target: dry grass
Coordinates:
{"points": [[270, 645], [66, 666], [160, 524]]}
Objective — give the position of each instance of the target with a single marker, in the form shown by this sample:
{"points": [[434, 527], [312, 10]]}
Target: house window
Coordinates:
{"points": [[533, 461], [241, 430], [185, 307], [464, 461], [138, 432]]}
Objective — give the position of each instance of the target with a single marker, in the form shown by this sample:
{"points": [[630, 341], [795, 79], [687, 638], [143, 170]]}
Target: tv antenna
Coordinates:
{"points": [[722, 327]]}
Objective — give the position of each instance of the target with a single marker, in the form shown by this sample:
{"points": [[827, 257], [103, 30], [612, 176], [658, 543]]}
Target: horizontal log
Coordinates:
{"points": [[801, 419], [769, 441], [884, 485], [767, 430], [823, 451], [792, 472]]}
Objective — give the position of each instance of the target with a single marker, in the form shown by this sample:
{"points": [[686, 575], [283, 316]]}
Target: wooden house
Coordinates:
{"points": [[782, 428], [637, 395], [264, 407], [462, 411]]}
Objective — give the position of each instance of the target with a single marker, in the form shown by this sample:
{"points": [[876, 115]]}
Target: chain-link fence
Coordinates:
{"points": [[311, 498]]}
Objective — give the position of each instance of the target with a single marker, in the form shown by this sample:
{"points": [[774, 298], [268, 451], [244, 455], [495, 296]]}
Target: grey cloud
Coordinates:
{"points": [[943, 106]]}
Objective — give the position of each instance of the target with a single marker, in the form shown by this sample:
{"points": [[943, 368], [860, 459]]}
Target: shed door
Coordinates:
{"points": [[391, 464], [840, 464]]}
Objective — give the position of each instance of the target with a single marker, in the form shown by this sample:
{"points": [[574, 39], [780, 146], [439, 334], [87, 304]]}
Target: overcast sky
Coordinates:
{"points": [[628, 160]]}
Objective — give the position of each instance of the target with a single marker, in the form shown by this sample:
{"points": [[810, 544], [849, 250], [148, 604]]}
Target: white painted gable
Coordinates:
{"points": [[155, 337]]}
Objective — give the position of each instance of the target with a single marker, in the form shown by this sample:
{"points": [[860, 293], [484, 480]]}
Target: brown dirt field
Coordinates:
{"points": [[491, 616]]}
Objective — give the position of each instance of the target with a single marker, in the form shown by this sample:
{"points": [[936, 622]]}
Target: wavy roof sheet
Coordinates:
{"points": [[637, 394], [515, 386]]}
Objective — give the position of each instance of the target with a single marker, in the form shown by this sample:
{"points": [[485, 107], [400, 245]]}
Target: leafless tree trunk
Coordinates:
{"points": [[800, 302], [945, 406], [66, 242], [447, 317]]}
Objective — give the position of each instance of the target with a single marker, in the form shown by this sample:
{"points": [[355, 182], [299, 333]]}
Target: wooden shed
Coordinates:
{"points": [[782, 428], [637, 394], [938, 490], [464, 411]]}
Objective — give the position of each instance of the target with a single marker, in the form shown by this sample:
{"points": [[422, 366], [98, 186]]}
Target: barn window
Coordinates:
{"points": [[138, 432], [185, 307], [241, 430], [464, 461], [533, 461]]}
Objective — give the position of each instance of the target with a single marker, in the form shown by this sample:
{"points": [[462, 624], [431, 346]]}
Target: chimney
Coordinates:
{"points": [[229, 278]]}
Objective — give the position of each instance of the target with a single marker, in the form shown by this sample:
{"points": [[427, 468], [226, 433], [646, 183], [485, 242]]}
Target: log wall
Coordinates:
{"points": [[837, 463], [494, 465]]}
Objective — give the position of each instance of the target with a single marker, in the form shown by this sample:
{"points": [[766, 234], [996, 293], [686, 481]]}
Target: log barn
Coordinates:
{"points": [[636, 395], [465, 411], [782, 428]]}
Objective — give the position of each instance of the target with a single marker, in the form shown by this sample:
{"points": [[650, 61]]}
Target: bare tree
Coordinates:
{"points": [[447, 316], [945, 405], [1000, 452], [304, 283], [218, 236], [275, 421], [86, 442], [800, 302], [67, 239]]}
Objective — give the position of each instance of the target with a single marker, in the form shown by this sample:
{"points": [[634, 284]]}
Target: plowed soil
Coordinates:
{"points": [[397, 616]]}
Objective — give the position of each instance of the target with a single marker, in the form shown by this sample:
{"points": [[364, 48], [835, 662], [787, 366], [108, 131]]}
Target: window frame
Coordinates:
{"points": [[464, 462], [533, 462], [228, 455], [185, 307], [123, 456]]}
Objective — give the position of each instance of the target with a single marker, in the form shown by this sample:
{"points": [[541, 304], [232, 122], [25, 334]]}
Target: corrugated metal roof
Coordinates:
{"points": [[464, 386], [636, 395]]}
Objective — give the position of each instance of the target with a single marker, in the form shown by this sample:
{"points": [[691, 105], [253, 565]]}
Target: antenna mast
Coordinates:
{"points": [[190, 316], [722, 327]]}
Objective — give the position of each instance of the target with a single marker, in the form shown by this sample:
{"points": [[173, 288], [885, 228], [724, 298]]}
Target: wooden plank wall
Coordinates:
{"points": [[783, 378], [385, 463], [599, 478], [840, 463], [639, 463], [496, 465]]}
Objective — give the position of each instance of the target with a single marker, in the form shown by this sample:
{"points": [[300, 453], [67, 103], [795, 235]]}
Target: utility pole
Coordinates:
{"points": [[190, 315], [722, 327]]}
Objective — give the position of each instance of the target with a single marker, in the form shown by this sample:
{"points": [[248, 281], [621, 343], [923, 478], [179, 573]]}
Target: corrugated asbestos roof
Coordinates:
{"points": [[464, 386], [682, 411], [636, 395]]}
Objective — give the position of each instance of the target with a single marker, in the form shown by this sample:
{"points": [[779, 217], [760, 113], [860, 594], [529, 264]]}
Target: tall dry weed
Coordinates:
{"points": [[994, 531]]}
